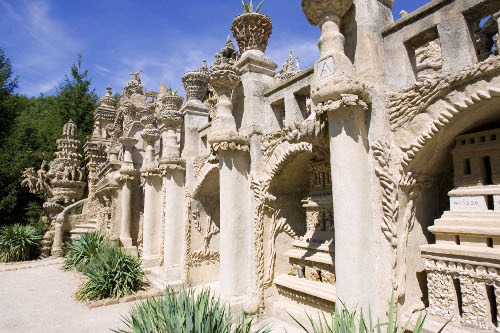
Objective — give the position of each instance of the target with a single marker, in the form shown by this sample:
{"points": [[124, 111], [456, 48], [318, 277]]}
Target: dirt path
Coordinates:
{"points": [[41, 299]]}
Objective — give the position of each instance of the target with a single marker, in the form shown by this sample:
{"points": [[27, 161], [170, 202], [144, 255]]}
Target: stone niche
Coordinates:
{"points": [[204, 249], [311, 259], [463, 265]]}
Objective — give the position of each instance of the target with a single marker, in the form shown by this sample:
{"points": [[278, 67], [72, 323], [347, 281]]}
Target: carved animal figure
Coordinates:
{"points": [[136, 75]]}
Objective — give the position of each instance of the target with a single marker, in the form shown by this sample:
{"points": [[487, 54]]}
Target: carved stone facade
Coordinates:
{"points": [[291, 190]]}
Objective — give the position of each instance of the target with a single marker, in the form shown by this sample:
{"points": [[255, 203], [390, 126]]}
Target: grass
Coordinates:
{"points": [[185, 312], [19, 243]]}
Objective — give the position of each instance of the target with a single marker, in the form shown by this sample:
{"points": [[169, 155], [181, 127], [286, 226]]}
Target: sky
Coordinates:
{"points": [[165, 38]]}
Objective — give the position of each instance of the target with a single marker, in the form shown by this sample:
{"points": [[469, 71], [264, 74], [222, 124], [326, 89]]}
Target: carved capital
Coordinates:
{"points": [[171, 118], [252, 31], [346, 101], [226, 145], [315, 10], [171, 102], [224, 78], [128, 142], [195, 85], [150, 135]]}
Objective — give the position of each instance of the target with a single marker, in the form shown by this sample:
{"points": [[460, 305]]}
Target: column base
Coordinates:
{"points": [[126, 242], [149, 262], [132, 250], [172, 273]]}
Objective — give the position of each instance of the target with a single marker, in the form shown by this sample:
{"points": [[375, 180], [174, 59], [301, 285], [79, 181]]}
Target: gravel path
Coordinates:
{"points": [[41, 299]]}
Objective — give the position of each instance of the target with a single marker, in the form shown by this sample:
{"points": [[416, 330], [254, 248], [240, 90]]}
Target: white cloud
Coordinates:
{"points": [[45, 49]]}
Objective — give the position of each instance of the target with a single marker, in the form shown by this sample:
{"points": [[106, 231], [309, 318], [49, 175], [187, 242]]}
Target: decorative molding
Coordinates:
{"points": [[449, 111], [404, 105]]}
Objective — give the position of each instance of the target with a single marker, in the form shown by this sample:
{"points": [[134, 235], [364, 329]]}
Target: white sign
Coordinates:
{"points": [[324, 68], [468, 203]]}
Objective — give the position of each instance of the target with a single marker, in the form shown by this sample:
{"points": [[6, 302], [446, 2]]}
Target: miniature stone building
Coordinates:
{"points": [[374, 171]]}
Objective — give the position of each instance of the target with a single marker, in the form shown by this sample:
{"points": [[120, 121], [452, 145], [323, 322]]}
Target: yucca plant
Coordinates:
{"points": [[349, 321], [185, 312], [19, 243], [248, 7], [82, 250], [112, 273]]}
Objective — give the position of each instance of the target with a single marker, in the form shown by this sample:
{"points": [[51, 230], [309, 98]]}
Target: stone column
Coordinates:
{"points": [[127, 177], [173, 170], [151, 227], [257, 75], [235, 220], [337, 94], [475, 302], [57, 245]]}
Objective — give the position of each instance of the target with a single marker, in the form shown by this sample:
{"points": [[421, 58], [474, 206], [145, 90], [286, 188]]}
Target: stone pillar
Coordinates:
{"points": [[337, 94], [150, 173], [57, 249], [173, 170], [475, 302], [257, 75], [457, 46], [442, 294], [127, 177], [235, 220]]}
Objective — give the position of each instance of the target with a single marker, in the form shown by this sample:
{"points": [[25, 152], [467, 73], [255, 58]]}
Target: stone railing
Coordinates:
{"points": [[288, 101]]}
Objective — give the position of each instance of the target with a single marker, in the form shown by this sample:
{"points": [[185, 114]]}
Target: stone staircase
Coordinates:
{"points": [[81, 229]]}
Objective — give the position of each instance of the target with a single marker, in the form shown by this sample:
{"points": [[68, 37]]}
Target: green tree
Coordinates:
{"points": [[37, 124], [8, 84], [76, 101]]}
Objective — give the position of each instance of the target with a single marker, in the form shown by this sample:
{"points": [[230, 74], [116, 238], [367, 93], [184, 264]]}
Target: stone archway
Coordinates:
{"points": [[282, 219], [417, 195]]}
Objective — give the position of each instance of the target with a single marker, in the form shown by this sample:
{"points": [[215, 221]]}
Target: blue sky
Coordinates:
{"points": [[165, 38]]}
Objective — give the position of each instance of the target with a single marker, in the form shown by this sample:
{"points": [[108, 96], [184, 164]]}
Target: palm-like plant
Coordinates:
{"points": [[185, 312], [346, 321], [248, 7], [19, 243], [81, 251], [112, 273]]}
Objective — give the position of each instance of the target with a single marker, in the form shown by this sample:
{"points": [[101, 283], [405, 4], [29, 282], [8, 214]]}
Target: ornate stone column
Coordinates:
{"points": [[151, 176], [127, 176], [195, 112], [235, 220], [172, 168], [344, 101]]}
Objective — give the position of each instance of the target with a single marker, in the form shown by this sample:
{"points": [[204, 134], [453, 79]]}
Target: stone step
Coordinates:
{"points": [[154, 276], [313, 246], [475, 191], [311, 256], [474, 255], [324, 291], [466, 230], [463, 215]]}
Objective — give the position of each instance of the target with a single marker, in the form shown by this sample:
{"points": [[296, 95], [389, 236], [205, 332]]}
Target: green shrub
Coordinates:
{"points": [[19, 243], [186, 312], [82, 250], [112, 273], [346, 321]]}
